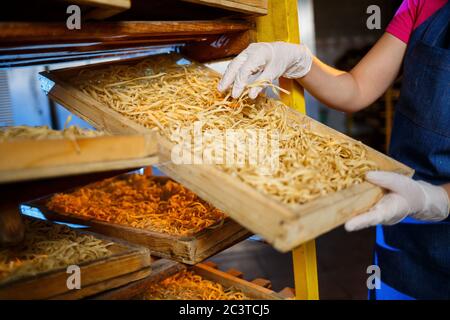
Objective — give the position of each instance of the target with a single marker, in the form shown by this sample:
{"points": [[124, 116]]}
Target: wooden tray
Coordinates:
{"points": [[253, 291], [258, 7], [127, 263], [285, 227], [31, 159], [100, 9], [164, 268], [186, 249]]}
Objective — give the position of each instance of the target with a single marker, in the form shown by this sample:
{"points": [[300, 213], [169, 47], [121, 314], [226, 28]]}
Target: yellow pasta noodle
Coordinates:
{"points": [[145, 202], [44, 132], [186, 285]]}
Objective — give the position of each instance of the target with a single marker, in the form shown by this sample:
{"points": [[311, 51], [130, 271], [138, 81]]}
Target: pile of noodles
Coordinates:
{"points": [[186, 285], [48, 247], [145, 202]]}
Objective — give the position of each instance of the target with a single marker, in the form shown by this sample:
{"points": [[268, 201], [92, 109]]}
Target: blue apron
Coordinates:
{"points": [[413, 256]]}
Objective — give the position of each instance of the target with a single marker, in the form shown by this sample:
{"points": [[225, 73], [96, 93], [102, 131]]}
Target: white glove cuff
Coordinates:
{"points": [[302, 63], [436, 207]]}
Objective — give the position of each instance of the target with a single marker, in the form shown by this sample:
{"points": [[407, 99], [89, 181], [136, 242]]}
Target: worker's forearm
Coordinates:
{"points": [[336, 89], [366, 82]]}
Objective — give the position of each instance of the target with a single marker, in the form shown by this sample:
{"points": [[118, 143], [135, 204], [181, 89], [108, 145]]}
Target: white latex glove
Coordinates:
{"points": [[417, 199], [266, 61]]}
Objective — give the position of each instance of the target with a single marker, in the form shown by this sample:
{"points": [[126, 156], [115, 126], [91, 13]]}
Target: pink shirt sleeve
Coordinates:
{"points": [[410, 15]]}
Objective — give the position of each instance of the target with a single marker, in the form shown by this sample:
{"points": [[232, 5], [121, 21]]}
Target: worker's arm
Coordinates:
{"points": [[366, 82], [345, 91], [406, 197]]}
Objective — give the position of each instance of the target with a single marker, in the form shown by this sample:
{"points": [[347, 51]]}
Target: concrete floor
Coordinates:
{"points": [[342, 261]]}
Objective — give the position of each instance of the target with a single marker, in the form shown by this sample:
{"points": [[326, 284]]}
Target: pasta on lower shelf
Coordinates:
{"points": [[48, 247], [186, 285], [163, 94], [151, 203]]}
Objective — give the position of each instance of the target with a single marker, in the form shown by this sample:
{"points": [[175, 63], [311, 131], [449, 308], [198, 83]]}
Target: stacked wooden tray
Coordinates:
{"points": [[255, 290], [285, 227], [27, 159], [127, 263], [187, 249]]}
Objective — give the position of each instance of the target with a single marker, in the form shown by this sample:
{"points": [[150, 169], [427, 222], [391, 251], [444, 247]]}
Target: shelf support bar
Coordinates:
{"points": [[305, 272]]}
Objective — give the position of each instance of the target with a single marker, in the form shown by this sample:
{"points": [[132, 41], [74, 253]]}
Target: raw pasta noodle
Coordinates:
{"points": [[164, 96], [145, 202], [186, 285], [44, 132], [48, 247]]}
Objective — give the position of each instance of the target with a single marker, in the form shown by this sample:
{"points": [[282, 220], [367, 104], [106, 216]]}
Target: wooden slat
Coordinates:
{"points": [[263, 283], [75, 169], [211, 264], [206, 49], [251, 290], [218, 47], [38, 159], [26, 33], [120, 4], [288, 293], [247, 6], [29, 153], [102, 9], [106, 285], [235, 273]]}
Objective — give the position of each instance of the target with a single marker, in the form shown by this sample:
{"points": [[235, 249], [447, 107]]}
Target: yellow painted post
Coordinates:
{"points": [[281, 24], [305, 271]]}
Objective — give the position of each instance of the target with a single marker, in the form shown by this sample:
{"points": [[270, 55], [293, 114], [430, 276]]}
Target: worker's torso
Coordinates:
{"points": [[414, 257]]}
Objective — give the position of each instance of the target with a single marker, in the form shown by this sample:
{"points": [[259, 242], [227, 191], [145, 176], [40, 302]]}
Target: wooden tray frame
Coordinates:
{"points": [[129, 262], [282, 226], [255, 7], [164, 268], [27, 159], [186, 249]]}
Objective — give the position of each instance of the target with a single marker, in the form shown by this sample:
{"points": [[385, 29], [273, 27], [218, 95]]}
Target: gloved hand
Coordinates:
{"points": [[418, 199], [266, 61]]}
